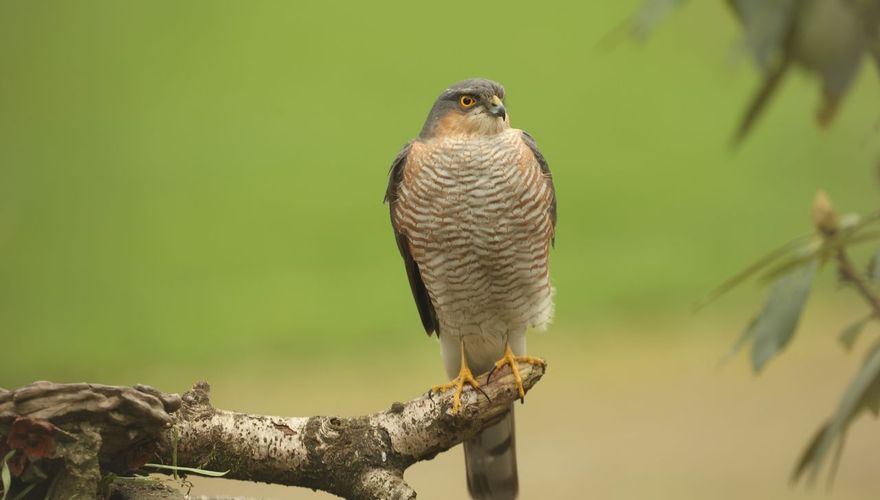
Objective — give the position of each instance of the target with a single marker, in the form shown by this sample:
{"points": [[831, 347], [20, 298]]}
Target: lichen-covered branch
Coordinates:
{"points": [[353, 457]]}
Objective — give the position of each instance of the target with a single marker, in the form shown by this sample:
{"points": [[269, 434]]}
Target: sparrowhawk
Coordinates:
{"points": [[474, 213]]}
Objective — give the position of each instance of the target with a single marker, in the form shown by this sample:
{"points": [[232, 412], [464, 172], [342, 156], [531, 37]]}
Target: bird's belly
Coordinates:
{"points": [[488, 263], [477, 218]]}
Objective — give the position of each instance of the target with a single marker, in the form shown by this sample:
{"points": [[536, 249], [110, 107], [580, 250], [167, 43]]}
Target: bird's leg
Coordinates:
{"points": [[464, 377], [509, 359]]}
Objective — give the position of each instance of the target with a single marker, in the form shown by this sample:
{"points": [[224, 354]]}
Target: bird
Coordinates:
{"points": [[473, 209]]}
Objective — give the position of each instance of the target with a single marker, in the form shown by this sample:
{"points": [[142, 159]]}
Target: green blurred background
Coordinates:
{"points": [[193, 190]]}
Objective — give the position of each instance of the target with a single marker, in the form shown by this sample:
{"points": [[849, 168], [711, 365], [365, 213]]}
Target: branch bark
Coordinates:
{"points": [[353, 457]]}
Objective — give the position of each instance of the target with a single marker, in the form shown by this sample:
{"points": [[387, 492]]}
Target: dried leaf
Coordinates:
{"points": [[203, 472], [824, 216], [34, 436]]}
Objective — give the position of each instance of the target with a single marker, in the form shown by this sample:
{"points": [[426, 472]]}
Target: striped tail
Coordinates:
{"points": [[490, 459]]}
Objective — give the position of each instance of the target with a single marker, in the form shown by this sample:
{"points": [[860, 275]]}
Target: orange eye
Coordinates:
{"points": [[467, 101]]}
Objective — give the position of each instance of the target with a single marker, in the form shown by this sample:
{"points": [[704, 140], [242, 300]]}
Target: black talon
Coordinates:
{"points": [[489, 376], [484, 392]]}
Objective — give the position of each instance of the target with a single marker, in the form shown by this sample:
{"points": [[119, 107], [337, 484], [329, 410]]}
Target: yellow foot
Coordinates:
{"points": [[513, 361], [464, 377]]}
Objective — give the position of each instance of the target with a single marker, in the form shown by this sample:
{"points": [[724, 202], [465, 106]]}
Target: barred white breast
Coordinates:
{"points": [[476, 211]]}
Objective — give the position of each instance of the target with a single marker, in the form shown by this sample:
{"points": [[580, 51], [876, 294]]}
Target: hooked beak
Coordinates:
{"points": [[496, 107]]}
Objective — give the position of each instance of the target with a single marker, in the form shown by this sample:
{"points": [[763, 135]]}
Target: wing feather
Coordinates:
{"points": [[416, 284], [545, 169]]}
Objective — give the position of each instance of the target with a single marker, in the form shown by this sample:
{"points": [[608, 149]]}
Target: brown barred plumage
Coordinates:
{"points": [[476, 214]]}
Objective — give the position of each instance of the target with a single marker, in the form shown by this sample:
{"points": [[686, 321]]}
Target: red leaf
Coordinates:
{"points": [[34, 436]]}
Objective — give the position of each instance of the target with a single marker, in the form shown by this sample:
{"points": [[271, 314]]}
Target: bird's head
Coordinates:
{"points": [[469, 107]]}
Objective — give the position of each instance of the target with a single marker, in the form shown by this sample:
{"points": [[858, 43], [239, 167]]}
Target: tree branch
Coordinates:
{"points": [[849, 273], [354, 457], [827, 224]]}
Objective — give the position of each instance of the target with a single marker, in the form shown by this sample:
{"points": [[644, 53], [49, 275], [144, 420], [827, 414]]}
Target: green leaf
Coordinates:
{"points": [[822, 250], [851, 333], [774, 326], [815, 250], [800, 245], [832, 41], [769, 28], [175, 440], [652, 13], [862, 394], [800, 251], [765, 23], [203, 472], [827, 38], [5, 475], [810, 455]]}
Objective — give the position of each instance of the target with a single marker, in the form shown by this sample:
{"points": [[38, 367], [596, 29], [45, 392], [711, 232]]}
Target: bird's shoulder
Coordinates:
{"points": [[395, 173], [538, 157], [529, 142], [408, 163]]}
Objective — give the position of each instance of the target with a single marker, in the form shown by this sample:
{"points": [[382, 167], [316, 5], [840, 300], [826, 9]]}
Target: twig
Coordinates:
{"points": [[848, 272]]}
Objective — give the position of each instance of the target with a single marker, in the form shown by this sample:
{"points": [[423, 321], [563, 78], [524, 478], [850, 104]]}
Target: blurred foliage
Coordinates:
{"points": [[774, 326], [830, 39], [863, 394], [793, 268], [827, 38]]}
